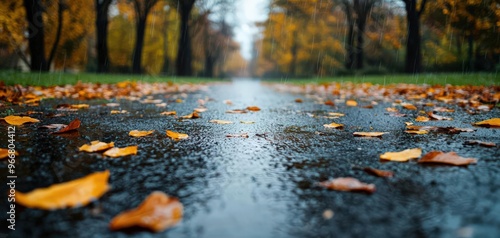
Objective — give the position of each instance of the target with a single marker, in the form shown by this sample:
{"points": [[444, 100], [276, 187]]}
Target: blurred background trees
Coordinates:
{"points": [[300, 38]]}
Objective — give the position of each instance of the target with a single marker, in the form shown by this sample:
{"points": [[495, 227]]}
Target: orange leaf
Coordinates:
{"points": [[157, 212], [78, 192], [422, 119], [191, 116], [378, 172], [402, 156], [391, 109], [253, 108], [333, 125], [329, 103], [351, 103], [298, 100], [446, 158], [4, 153], [409, 106], [493, 122], [369, 134], [418, 132], [169, 113], [221, 122], [117, 152], [348, 184], [17, 120], [176, 135], [136, 133], [73, 125], [79, 106], [95, 146]]}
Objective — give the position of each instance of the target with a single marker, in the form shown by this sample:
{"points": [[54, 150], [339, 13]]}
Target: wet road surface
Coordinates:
{"points": [[264, 185]]}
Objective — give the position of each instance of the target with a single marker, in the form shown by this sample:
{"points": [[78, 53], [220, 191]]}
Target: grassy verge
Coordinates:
{"points": [[486, 79], [50, 79]]}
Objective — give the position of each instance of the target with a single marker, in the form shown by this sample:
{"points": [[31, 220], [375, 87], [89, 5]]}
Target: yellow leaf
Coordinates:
{"points": [[17, 120], [136, 133], [351, 103], [221, 122], [369, 134], [96, 146], [418, 132], [333, 125], [409, 106], [176, 135], [80, 106], [118, 111], [169, 113], [402, 156], [493, 122], [422, 119], [4, 153], [78, 192], [157, 212], [117, 152]]}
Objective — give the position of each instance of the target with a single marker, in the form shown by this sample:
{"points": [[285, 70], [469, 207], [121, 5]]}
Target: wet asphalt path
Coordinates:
{"points": [[261, 186]]}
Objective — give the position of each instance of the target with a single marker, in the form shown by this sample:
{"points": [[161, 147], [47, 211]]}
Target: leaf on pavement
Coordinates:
{"points": [[193, 115], [118, 152], [351, 103], [409, 106], [53, 126], [237, 111], [333, 125], [442, 109], [438, 117], [369, 134], [243, 135], [221, 122], [493, 122], [157, 212], [95, 146], [247, 122], [422, 119], [378, 172], [176, 135], [392, 109], [298, 100], [481, 143], [136, 133], [450, 158], [78, 192], [348, 184], [79, 106], [119, 112], [17, 120], [73, 125], [4, 153], [253, 108], [402, 156], [417, 132], [329, 103], [169, 113], [336, 114], [200, 109]]}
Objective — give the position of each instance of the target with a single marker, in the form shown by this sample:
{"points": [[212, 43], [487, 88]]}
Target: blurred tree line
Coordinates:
{"points": [[169, 37], [304, 38]]}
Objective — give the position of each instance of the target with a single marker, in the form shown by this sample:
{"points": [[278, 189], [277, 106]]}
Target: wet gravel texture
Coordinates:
{"points": [[264, 185]]}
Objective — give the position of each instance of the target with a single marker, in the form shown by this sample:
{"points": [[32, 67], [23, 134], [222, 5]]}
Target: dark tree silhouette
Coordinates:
{"points": [[413, 61], [184, 54], [101, 23], [142, 9]]}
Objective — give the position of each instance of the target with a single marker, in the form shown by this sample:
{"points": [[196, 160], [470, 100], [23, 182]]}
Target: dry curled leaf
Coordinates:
{"points": [[157, 212], [493, 122], [333, 125], [96, 146], [402, 156], [4, 153], [369, 134], [481, 143], [118, 152], [438, 117], [17, 120], [450, 158], [422, 119], [378, 172], [191, 116], [176, 135], [348, 184], [351, 103], [221, 122], [73, 125], [253, 108], [78, 192], [136, 133], [169, 113]]}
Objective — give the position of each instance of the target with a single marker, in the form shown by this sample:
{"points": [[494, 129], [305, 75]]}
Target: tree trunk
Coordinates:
{"points": [[139, 44], [470, 52], [294, 49], [101, 23], [349, 59], [166, 60], [36, 38], [183, 63], [60, 9], [360, 42], [413, 63]]}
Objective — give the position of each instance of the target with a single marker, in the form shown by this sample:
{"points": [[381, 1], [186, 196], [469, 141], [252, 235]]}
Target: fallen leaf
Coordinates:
{"points": [[79, 106], [73, 125], [178, 100], [247, 122], [493, 122], [78, 192], [200, 109], [117, 152], [243, 135], [438, 117], [136, 133], [228, 102], [4, 153], [402, 156], [333, 125], [253, 108], [157, 212], [397, 114], [418, 132], [169, 113], [237, 111], [409, 106], [221, 122], [329, 103], [176, 135], [378, 172], [409, 123], [348, 184], [442, 109], [481, 143], [118, 111], [17, 120], [369, 134], [392, 109], [422, 119], [351, 103], [448, 130], [53, 126], [191, 116], [336, 114], [446, 158], [163, 104], [298, 100], [95, 146]]}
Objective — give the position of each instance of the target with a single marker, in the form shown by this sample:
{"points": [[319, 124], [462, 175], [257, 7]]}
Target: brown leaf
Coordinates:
{"points": [[369, 134], [17, 120], [136, 133], [450, 158], [253, 108], [243, 135], [95, 146], [333, 125], [169, 113], [298, 100], [191, 116], [78, 192], [493, 122], [348, 184], [176, 135], [481, 143], [73, 125], [118, 152], [438, 117], [402, 156], [408, 106], [157, 212], [329, 103], [378, 172], [4, 153], [418, 132], [442, 109]]}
